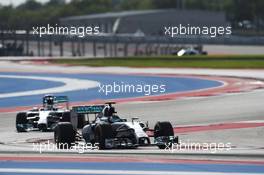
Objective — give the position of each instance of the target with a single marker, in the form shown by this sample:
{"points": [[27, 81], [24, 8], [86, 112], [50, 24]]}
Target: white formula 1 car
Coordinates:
{"points": [[109, 131], [46, 117]]}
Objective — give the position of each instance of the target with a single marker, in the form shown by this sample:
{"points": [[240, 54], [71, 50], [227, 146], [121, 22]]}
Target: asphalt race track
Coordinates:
{"points": [[13, 83], [228, 110]]}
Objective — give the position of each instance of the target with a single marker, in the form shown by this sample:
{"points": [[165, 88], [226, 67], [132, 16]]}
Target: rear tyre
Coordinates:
{"points": [[21, 120], [103, 132], [163, 129], [64, 135], [66, 117], [81, 121]]}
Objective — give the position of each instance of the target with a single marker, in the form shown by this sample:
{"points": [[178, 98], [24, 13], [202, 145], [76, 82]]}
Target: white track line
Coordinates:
{"points": [[70, 84], [118, 172], [221, 123]]}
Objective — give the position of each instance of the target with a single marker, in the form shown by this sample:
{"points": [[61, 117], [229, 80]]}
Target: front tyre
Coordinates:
{"points": [[21, 121], [64, 135], [103, 132], [163, 133]]}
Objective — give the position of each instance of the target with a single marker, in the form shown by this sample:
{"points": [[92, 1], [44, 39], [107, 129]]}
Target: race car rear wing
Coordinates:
{"points": [[50, 100], [61, 99], [94, 109]]}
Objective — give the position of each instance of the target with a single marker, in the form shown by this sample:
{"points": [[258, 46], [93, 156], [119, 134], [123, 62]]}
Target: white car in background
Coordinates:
{"points": [[190, 51], [46, 117]]}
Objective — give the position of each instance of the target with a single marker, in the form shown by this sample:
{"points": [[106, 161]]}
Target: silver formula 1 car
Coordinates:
{"points": [[46, 117], [109, 131]]}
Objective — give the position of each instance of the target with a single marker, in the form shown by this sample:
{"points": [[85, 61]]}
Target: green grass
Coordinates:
{"points": [[226, 61]]}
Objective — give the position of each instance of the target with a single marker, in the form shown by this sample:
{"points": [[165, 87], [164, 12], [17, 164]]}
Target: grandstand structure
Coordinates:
{"points": [[146, 22], [128, 33]]}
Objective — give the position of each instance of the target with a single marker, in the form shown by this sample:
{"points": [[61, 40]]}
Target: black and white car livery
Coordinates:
{"points": [[109, 131], [46, 117]]}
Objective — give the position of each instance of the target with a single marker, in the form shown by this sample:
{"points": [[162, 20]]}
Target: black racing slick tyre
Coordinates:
{"points": [[81, 121], [163, 129], [66, 117], [103, 132], [64, 135], [21, 120]]}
